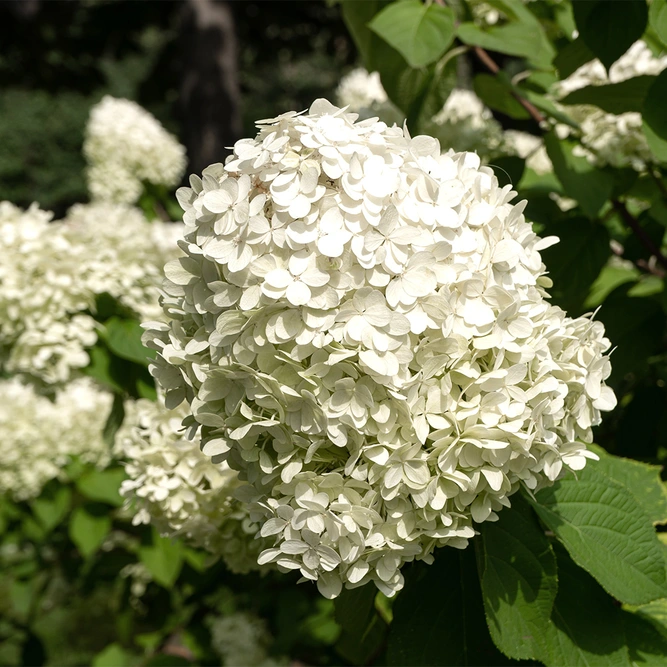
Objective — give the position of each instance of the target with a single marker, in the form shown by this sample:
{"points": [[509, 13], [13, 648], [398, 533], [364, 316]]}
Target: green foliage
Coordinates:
{"points": [[653, 114], [519, 580], [88, 530], [163, 558], [582, 181], [616, 98], [609, 30], [123, 337], [421, 33], [607, 532]]}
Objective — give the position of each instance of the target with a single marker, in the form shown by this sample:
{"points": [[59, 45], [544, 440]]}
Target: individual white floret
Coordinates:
{"points": [[40, 436], [360, 328], [126, 146]]}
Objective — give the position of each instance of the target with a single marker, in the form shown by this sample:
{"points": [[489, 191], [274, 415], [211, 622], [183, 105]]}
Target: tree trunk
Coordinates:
{"points": [[209, 100]]}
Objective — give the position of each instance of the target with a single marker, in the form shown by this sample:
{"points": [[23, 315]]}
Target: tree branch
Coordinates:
{"points": [[492, 66], [639, 232]]}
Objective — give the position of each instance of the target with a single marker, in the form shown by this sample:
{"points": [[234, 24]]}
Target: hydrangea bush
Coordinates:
{"points": [[361, 329]]}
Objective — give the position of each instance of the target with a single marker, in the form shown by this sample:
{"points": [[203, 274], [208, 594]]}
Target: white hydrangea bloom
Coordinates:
{"points": [[360, 89], [361, 330], [126, 146], [466, 124], [175, 487], [52, 271], [530, 148], [614, 139], [39, 436], [124, 252], [242, 639]]}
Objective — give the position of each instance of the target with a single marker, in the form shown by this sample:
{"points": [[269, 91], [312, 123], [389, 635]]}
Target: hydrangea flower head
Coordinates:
{"points": [[126, 146], [40, 436], [361, 330], [174, 486]]}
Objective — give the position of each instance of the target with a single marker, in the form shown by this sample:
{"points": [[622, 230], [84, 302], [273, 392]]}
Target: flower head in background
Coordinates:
{"points": [[52, 272], [175, 487], [360, 89], [126, 146], [361, 330], [242, 638], [614, 139], [40, 436]]}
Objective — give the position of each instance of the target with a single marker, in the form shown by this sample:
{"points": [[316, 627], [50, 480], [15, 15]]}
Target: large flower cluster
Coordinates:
{"points": [[175, 487], [361, 330], [126, 146], [52, 271], [615, 139], [39, 436]]}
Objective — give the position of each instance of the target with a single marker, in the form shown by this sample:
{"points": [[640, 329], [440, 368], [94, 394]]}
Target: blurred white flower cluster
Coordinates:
{"points": [[176, 488], [39, 436], [466, 124], [52, 271], [360, 89], [125, 147], [242, 638], [463, 124], [361, 330], [614, 139]]}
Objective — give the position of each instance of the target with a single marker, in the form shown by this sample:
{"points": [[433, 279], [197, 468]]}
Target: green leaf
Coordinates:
{"points": [[572, 56], [616, 98], [654, 117], [641, 479], [508, 169], [123, 336], [357, 15], [519, 579], [363, 630], [114, 655], [610, 28], [420, 32], [609, 279], [607, 532], [586, 628], [496, 93], [658, 19], [635, 327], [52, 507], [589, 186], [512, 39], [647, 645], [439, 616], [101, 368], [163, 559], [114, 420], [576, 261], [656, 613], [523, 35], [88, 531], [102, 485]]}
